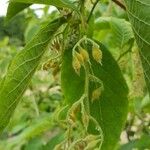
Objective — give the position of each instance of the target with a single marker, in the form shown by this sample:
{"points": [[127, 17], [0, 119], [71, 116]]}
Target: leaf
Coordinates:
{"points": [[15, 6], [35, 143], [102, 23], [111, 109], [35, 129], [22, 69], [54, 141], [145, 104], [31, 29], [140, 144], [138, 12], [122, 31]]}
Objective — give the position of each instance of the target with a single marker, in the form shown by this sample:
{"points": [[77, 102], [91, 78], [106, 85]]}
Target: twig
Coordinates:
{"points": [[92, 10], [119, 4]]}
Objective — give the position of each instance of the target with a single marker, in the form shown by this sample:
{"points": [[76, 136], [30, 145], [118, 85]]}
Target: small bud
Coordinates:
{"points": [[97, 54], [96, 94], [84, 54], [76, 65]]}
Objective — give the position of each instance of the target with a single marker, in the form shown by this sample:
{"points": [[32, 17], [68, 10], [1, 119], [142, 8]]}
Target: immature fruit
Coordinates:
{"points": [[76, 65], [79, 57], [84, 54], [96, 94], [97, 54]]}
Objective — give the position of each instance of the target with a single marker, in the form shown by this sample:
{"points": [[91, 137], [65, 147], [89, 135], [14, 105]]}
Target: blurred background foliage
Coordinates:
{"points": [[31, 128]]}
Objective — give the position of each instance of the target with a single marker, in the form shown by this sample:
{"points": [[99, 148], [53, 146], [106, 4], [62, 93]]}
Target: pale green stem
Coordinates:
{"points": [[86, 88]]}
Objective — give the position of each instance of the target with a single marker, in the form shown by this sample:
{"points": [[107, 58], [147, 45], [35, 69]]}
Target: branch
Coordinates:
{"points": [[92, 10], [119, 4]]}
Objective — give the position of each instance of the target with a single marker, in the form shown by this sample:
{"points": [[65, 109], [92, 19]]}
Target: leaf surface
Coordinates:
{"points": [[22, 69], [139, 15], [122, 31], [111, 109], [120, 28], [15, 6]]}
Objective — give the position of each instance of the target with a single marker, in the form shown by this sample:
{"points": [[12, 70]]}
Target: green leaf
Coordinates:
{"points": [[15, 6], [57, 3], [54, 141], [35, 129], [32, 28], [138, 11], [111, 109], [35, 143], [22, 69], [145, 104], [102, 23], [122, 31], [140, 144]]}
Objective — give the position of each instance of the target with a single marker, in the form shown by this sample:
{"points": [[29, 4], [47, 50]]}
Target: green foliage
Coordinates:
{"points": [[11, 12], [14, 29], [20, 5], [138, 12], [122, 31], [22, 69], [140, 144], [113, 82], [75, 91], [54, 141]]}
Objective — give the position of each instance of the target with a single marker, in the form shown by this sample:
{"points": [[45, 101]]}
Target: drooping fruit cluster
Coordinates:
{"points": [[81, 55]]}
